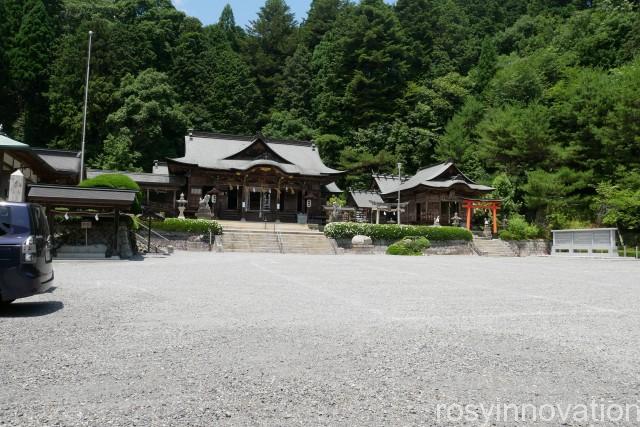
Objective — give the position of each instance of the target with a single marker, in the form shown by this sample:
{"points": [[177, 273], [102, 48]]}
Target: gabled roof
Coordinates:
{"points": [[82, 197], [7, 143], [333, 188], [241, 153], [441, 176], [365, 199], [387, 183], [62, 161]]}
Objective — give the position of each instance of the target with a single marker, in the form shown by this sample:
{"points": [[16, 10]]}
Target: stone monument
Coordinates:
{"points": [[362, 245], [436, 222], [17, 187]]}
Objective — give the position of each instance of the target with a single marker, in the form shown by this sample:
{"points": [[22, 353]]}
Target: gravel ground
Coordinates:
{"points": [[250, 339]]}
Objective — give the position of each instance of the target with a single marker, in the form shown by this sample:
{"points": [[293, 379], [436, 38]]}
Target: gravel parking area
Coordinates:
{"points": [[250, 339]]}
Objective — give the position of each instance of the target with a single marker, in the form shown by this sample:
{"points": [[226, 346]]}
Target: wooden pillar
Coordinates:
{"points": [[468, 206], [378, 216], [494, 209], [243, 200], [116, 222]]}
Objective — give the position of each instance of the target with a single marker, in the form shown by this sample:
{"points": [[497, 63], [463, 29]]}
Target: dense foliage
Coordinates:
{"points": [[347, 230], [188, 225], [540, 98], [409, 246], [519, 229]]}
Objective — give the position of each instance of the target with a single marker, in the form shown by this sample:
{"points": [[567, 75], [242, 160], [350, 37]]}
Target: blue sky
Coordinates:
{"points": [[208, 11]]}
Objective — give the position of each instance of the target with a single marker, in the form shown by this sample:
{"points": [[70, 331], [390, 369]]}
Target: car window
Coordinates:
{"points": [[14, 220]]}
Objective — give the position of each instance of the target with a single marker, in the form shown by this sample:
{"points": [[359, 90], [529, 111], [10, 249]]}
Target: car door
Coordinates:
{"points": [[42, 240]]}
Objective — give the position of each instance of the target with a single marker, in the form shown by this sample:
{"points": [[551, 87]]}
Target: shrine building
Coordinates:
{"points": [[440, 192]]}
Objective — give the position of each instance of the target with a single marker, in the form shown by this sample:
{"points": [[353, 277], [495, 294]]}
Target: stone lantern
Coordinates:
{"points": [[182, 205]]}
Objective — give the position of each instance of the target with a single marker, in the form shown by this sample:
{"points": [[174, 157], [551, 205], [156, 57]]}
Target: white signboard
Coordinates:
{"points": [[308, 203]]}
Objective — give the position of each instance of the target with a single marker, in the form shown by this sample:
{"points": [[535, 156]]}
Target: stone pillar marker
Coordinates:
{"points": [[17, 187]]}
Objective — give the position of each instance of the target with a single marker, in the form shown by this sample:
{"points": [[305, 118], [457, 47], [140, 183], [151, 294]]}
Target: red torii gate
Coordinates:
{"points": [[493, 205]]}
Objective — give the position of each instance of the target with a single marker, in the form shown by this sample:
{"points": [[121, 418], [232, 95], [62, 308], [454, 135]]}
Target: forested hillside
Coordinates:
{"points": [[540, 98]]}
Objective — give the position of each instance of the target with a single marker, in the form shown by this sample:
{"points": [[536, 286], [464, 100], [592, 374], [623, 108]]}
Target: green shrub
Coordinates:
{"points": [[188, 225], [519, 229], [116, 181], [346, 230], [411, 246]]}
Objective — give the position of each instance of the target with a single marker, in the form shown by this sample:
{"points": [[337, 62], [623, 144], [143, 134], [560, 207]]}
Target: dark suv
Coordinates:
{"points": [[25, 251]]}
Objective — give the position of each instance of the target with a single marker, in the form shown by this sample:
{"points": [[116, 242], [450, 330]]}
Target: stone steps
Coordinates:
{"points": [[292, 242], [492, 247]]}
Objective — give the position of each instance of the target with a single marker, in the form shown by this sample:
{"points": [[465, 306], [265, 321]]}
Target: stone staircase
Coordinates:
{"points": [[306, 243], [492, 247], [246, 241], [274, 238]]}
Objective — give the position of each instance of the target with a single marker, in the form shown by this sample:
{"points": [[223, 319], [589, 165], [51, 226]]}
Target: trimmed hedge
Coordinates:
{"points": [[188, 225], [410, 246], [116, 181], [346, 230]]}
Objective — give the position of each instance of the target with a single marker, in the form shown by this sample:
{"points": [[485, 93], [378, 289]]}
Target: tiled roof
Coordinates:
{"points": [[365, 199], [78, 196], [60, 160], [215, 151], [443, 175], [8, 143], [333, 188]]}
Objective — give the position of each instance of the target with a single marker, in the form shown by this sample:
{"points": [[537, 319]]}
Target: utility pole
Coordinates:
{"points": [[84, 116], [399, 184]]}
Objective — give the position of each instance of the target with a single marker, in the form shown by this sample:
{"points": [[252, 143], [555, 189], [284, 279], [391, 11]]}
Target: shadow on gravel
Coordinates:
{"points": [[30, 309]]}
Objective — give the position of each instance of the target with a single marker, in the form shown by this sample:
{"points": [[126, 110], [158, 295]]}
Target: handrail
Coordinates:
{"points": [[144, 239], [279, 241], [154, 232]]}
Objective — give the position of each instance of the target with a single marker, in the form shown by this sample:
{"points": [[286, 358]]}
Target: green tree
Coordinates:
{"points": [[505, 190], [361, 68], [118, 153], [272, 39], [232, 32], [320, 20], [516, 139], [563, 191], [295, 93], [28, 58], [285, 125], [618, 202], [151, 114]]}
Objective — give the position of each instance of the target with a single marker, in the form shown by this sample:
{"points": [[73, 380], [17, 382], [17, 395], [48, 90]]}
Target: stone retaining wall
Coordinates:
{"points": [[183, 241], [523, 248], [449, 247]]}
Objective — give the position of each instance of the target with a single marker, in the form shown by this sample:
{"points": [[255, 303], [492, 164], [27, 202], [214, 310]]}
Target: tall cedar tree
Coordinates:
{"points": [[272, 39], [361, 69]]}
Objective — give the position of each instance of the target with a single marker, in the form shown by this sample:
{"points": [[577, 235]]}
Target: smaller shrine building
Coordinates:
{"points": [[436, 192]]}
